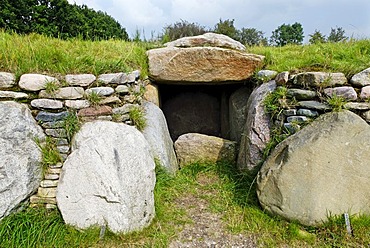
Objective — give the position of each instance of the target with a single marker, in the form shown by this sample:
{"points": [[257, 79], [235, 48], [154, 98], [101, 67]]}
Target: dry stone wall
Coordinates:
{"points": [[52, 100]]}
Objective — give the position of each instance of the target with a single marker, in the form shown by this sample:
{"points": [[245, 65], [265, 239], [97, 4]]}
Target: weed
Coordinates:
{"points": [[136, 115], [50, 153], [94, 98], [71, 124], [276, 101], [51, 87], [337, 103]]}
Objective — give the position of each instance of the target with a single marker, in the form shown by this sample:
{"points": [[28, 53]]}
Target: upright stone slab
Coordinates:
{"points": [[20, 156], [256, 132], [322, 169], [157, 134], [108, 179]]}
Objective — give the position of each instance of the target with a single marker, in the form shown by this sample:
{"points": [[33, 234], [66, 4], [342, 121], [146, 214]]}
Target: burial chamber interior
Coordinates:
{"points": [[197, 108]]}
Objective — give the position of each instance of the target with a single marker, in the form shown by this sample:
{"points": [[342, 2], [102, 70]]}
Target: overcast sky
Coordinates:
{"points": [[265, 15]]}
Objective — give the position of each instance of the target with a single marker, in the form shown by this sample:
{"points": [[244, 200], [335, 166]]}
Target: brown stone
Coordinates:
{"points": [[151, 94], [211, 65], [95, 111]]}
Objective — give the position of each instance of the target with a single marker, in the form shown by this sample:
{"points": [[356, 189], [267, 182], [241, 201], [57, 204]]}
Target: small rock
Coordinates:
{"points": [[125, 109], [82, 80], [51, 176], [42, 200], [361, 79], [111, 78], [51, 206], [70, 93], [77, 104], [366, 116], [51, 117], [290, 112], [297, 119], [46, 104], [13, 95], [101, 91], [151, 94], [7, 80], [266, 75], [104, 118], [57, 133], [129, 98], [292, 128], [122, 89], [300, 94], [47, 192], [63, 148], [314, 105], [320, 79], [35, 82], [345, 92], [53, 170], [53, 124], [133, 76], [307, 112], [365, 92], [110, 100], [49, 183], [95, 111], [61, 142], [282, 78], [357, 106]]}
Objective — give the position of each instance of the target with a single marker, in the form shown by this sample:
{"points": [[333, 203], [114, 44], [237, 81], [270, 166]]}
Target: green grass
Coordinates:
{"points": [[71, 124], [233, 196], [35, 53], [94, 98], [347, 57], [50, 153], [136, 115]]}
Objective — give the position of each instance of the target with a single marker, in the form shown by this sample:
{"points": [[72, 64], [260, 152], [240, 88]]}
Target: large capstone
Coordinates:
{"points": [[321, 170], [108, 179], [20, 156], [157, 134]]}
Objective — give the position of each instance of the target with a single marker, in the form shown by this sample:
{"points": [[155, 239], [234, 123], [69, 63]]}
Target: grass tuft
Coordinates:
{"points": [[137, 116]]}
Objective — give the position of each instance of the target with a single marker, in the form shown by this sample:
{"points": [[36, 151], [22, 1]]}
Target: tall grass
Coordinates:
{"points": [[347, 57], [35, 53]]}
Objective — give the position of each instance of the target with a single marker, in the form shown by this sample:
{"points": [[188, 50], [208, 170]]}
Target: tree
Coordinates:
{"points": [[337, 34], [181, 29], [317, 37], [287, 34], [227, 28], [252, 37]]}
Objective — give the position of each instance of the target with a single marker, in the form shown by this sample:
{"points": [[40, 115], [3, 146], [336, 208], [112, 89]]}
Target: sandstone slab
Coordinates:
{"points": [[101, 91], [95, 111], [108, 180], [321, 169], [157, 134], [320, 79], [195, 147], [152, 94], [77, 104], [12, 94], [67, 93], [257, 126], [46, 104], [20, 163], [201, 65], [82, 80]]}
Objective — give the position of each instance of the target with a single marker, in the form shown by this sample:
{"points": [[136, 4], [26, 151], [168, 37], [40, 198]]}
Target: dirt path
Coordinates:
{"points": [[206, 228]]}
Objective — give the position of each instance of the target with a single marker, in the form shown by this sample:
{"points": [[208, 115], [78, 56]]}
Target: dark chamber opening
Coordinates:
{"points": [[197, 108]]}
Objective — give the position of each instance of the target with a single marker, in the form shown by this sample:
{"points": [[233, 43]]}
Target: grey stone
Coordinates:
{"points": [[35, 82], [122, 89], [289, 112], [157, 134], [63, 148], [308, 112], [111, 100], [125, 109], [61, 142], [67, 93], [133, 76], [111, 78], [195, 147], [345, 92], [300, 94], [357, 106], [51, 176], [13, 95], [207, 39], [282, 78], [292, 127], [297, 119], [237, 112], [46, 104], [7, 80], [315, 105], [49, 183], [320, 79], [108, 179], [53, 124], [361, 79], [20, 163], [256, 130], [266, 75], [198, 65], [51, 117], [321, 169], [47, 192], [101, 91], [77, 104], [365, 92], [366, 115], [57, 133], [82, 80]]}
